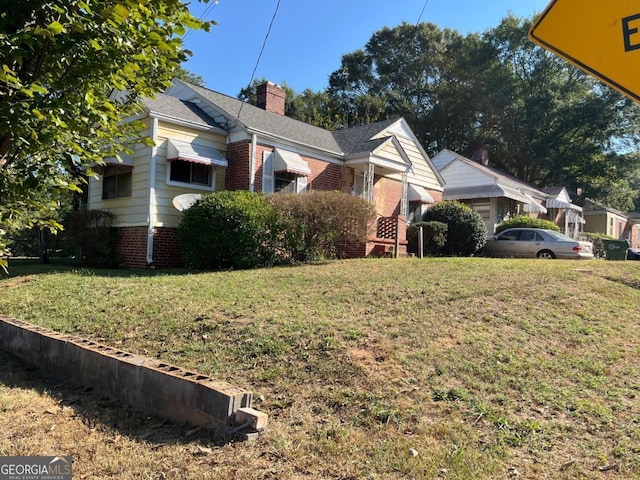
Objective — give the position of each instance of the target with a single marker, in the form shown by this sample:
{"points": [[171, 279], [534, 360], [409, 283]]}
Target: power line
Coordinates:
{"points": [[206, 12], [423, 9], [264, 43]]}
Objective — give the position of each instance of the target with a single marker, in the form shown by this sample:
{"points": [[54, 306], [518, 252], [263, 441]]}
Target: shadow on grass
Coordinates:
{"points": [[27, 266], [93, 409], [625, 281], [24, 267]]}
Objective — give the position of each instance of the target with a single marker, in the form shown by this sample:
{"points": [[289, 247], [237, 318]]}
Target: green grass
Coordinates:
{"points": [[485, 367]]}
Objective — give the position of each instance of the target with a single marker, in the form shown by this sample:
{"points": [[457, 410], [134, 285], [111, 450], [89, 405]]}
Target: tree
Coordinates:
{"points": [[541, 119], [61, 60], [189, 77], [547, 122]]}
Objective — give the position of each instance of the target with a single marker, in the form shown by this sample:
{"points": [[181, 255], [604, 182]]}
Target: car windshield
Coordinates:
{"points": [[560, 236]]}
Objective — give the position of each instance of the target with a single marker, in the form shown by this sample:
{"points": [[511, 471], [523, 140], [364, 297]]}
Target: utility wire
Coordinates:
{"points": [[423, 9], [264, 43], [206, 12]]}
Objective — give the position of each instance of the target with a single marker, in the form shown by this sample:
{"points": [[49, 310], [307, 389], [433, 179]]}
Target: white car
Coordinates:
{"points": [[536, 243]]}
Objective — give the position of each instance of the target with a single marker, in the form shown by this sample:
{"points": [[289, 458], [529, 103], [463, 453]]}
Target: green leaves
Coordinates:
{"points": [[59, 62], [55, 28]]}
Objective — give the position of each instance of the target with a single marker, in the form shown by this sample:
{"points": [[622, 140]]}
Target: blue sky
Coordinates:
{"points": [[308, 38]]}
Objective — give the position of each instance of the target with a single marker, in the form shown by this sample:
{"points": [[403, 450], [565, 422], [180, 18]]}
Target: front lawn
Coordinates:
{"points": [[376, 368]]}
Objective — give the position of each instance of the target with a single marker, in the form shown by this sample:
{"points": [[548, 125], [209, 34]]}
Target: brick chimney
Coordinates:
{"points": [[270, 97], [481, 155]]}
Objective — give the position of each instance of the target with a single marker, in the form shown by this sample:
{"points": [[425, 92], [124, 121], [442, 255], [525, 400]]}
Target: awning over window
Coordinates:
{"points": [[533, 206], [515, 195], [124, 159], [488, 191], [555, 203], [574, 217], [290, 162], [417, 193], [192, 152]]}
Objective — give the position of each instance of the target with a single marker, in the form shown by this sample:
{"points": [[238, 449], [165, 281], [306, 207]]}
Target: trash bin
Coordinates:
{"points": [[615, 249]]}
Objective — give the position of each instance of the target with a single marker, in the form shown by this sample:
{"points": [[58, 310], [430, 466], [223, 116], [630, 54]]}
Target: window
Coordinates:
{"points": [[509, 235], [286, 182], [530, 236], [116, 182], [190, 172], [277, 179], [416, 210]]}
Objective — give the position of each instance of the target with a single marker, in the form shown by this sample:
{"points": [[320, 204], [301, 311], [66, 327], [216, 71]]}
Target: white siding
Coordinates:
{"points": [[131, 210], [459, 174], [166, 215], [422, 172], [134, 210]]}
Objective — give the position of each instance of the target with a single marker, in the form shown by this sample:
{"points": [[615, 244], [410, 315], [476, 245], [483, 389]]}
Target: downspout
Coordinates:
{"points": [[152, 191], [252, 172]]}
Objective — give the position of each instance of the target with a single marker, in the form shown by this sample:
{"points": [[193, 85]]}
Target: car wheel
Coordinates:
{"points": [[546, 255]]}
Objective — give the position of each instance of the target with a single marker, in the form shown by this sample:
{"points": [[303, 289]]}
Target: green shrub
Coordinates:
{"points": [[466, 232], [232, 229], [434, 236], [597, 240], [320, 221], [524, 221], [91, 235]]}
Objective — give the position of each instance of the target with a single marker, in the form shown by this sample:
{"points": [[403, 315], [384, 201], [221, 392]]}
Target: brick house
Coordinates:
{"points": [[205, 141], [609, 221]]}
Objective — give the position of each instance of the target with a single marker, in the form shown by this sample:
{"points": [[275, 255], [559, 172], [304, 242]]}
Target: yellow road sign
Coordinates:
{"points": [[601, 37]]}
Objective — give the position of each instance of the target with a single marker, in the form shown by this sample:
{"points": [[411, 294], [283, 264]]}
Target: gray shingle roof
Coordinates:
{"points": [[272, 123], [340, 142], [357, 139], [175, 108]]}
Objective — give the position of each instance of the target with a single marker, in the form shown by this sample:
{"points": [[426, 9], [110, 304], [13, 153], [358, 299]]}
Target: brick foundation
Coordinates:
{"points": [[132, 247], [167, 251]]}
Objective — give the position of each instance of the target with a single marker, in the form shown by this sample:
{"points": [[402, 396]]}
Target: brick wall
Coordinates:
{"points": [[387, 195], [167, 252], [271, 97], [238, 171], [132, 246], [324, 176]]}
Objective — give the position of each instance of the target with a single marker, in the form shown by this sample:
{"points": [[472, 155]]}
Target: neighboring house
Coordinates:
{"points": [[494, 194], [563, 212], [602, 219], [206, 141]]}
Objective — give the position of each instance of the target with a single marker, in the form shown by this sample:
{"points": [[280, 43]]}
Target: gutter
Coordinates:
{"points": [[252, 173], [186, 123], [289, 140], [152, 190]]}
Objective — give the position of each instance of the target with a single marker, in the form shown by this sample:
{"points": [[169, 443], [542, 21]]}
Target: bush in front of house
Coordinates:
{"points": [[232, 229], [524, 221], [434, 236], [321, 221], [93, 238], [597, 240], [466, 231]]}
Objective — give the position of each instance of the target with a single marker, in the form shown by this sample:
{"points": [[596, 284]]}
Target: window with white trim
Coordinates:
{"points": [[280, 181]]}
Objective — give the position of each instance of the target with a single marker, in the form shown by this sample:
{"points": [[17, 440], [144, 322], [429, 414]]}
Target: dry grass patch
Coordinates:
{"points": [[451, 368]]}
